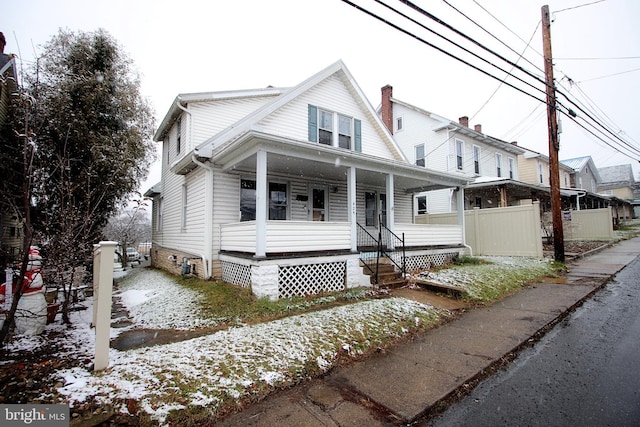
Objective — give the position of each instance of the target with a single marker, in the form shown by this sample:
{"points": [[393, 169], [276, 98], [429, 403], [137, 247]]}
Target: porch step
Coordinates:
{"points": [[388, 277]]}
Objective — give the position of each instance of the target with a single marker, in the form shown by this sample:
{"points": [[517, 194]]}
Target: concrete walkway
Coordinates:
{"points": [[413, 379]]}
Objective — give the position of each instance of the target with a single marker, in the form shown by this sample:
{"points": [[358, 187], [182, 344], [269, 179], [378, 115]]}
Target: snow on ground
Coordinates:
{"points": [[155, 301], [237, 362], [231, 364]]}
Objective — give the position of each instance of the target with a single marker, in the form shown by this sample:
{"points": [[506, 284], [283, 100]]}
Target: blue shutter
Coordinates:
{"points": [[313, 123], [357, 132]]}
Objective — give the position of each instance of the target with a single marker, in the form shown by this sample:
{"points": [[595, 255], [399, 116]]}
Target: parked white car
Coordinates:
{"points": [[133, 255]]}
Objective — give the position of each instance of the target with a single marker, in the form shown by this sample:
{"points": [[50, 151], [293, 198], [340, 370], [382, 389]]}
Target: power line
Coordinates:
{"points": [[578, 6], [520, 55], [439, 49], [569, 112], [610, 75]]}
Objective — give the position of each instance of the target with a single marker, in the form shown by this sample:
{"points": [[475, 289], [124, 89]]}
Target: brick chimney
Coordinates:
{"points": [[386, 110], [464, 121], [514, 143], [477, 128]]}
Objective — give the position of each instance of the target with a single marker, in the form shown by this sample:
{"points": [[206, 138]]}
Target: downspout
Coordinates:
{"points": [[208, 227], [208, 219], [461, 219], [578, 199]]}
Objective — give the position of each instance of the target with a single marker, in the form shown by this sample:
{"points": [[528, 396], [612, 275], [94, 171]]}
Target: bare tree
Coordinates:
{"points": [[130, 226]]}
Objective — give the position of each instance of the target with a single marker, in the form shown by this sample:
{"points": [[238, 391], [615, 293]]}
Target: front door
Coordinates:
{"points": [[319, 203]]}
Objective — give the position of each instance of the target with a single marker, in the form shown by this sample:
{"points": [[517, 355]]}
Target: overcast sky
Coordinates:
{"points": [[200, 46]]}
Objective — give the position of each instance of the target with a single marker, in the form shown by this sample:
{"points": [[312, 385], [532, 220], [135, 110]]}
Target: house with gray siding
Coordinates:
{"points": [[291, 191]]}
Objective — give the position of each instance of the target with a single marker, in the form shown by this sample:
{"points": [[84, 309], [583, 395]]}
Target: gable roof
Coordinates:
{"points": [[179, 103], [445, 123], [250, 122], [531, 154], [579, 163], [617, 174]]}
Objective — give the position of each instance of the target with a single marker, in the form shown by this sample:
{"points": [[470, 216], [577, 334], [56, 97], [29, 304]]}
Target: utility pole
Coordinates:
{"points": [[554, 145]]}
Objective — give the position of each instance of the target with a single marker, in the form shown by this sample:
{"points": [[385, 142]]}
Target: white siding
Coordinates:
{"points": [[209, 118], [189, 239]]}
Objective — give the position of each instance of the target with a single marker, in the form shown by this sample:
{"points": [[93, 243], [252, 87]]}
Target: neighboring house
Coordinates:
{"points": [[618, 181], [433, 142], [585, 177], [10, 226], [534, 169], [283, 189]]}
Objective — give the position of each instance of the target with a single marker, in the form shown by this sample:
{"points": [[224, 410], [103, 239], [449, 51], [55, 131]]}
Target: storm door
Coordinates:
{"points": [[319, 197]]}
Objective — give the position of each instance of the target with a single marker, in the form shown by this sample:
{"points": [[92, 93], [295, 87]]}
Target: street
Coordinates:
{"points": [[585, 371]]}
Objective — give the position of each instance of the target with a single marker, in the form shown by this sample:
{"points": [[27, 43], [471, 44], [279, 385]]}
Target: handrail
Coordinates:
{"points": [[393, 245], [384, 245]]}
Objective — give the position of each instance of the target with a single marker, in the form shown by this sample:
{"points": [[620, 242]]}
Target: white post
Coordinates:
{"points": [[351, 201], [262, 201], [8, 288], [102, 287]]}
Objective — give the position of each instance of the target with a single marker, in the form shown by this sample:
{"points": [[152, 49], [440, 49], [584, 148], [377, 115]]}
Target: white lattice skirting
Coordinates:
{"points": [[293, 280], [426, 261], [300, 280], [237, 274]]}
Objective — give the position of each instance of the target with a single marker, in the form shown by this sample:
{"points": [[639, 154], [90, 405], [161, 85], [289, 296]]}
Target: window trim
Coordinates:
{"points": [[418, 210], [399, 124], [499, 165]]}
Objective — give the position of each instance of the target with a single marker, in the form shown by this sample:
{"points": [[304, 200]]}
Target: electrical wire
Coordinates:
{"points": [[569, 112]]}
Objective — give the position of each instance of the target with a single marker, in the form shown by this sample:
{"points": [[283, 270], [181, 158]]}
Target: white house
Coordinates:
{"points": [[433, 142], [286, 190]]}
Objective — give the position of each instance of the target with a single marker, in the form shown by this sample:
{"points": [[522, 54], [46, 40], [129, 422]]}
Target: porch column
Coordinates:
{"points": [[351, 202], [390, 204], [261, 204], [460, 208]]}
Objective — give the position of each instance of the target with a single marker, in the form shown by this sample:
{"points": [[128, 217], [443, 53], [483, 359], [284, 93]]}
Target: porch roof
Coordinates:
{"points": [[315, 161]]}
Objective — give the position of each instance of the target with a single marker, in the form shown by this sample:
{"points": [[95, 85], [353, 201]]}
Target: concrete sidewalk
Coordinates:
{"points": [[412, 379]]}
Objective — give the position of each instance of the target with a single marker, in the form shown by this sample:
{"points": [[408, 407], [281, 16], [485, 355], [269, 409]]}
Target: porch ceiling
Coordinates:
{"points": [[322, 163]]}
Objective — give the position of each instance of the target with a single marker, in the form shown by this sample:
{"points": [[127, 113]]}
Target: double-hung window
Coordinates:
{"points": [[512, 167], [476, 160], [498, 165], [325, 127], [278, 200], [422, 205], [344, 132], [459, 153], [420, 155], [334, 129]]}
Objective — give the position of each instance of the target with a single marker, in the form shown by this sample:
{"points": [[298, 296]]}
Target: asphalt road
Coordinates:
{"points": [[583, 372]]}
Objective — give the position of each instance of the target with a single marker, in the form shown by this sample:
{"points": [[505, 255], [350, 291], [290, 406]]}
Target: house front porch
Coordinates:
{"points": [[307, 257]]}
